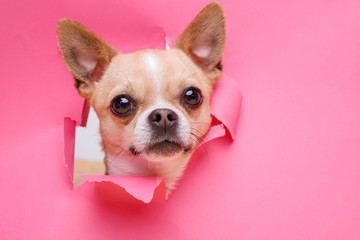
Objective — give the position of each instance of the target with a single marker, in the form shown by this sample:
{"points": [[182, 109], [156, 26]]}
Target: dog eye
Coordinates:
{"points": [[122, 105], [192, 97]]}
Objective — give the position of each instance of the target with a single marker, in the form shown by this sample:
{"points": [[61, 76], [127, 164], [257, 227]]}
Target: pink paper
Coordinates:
{"points": [[141, 188], [69, 145], [292, 171], [226, 103]]}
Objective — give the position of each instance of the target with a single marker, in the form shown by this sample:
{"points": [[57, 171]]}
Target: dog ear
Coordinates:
{"points": [[204, 40], [85, 55]]}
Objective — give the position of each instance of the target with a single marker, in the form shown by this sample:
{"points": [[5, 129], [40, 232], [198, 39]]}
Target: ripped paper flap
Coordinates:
{"points": [[142, 188]]}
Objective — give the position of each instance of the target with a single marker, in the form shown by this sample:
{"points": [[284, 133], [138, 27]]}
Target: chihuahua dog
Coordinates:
{"points": [[153, 105]]}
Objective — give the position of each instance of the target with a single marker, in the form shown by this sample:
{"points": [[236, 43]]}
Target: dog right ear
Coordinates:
{"points": [[204, 40], [86, 55]]}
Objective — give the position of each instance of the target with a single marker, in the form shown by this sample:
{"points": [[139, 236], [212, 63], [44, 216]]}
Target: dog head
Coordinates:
{"points": [[153, 104]]}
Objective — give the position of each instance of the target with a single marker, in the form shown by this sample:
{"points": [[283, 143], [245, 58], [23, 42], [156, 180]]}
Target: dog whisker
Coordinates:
{"points": [[193, 73], [197, 130], [127, 79], [185, 65]]}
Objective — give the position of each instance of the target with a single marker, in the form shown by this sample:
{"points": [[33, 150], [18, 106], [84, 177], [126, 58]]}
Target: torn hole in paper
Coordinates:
{"points": [[91, 166]]}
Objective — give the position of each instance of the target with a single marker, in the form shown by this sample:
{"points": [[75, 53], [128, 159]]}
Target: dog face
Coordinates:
{"points": [[152, 104]]}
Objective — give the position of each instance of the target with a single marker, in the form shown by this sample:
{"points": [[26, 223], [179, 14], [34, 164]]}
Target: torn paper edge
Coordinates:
{"points": [[131, 185]]}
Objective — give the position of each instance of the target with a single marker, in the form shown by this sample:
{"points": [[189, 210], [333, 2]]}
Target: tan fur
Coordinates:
{"points": [[149, 77]]}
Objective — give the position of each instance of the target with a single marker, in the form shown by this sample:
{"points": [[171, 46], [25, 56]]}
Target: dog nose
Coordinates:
{"points": [[163, 118]]}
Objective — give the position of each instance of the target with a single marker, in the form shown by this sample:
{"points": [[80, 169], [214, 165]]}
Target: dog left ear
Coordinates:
{"points": [[85, 54], [204, 40]]}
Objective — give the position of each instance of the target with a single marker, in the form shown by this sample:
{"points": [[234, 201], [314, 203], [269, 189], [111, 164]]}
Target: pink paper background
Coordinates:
{"points": [[293, 171]]}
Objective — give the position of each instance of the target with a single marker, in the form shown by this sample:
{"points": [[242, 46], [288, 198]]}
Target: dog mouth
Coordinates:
{"points": [[165, 147]]}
